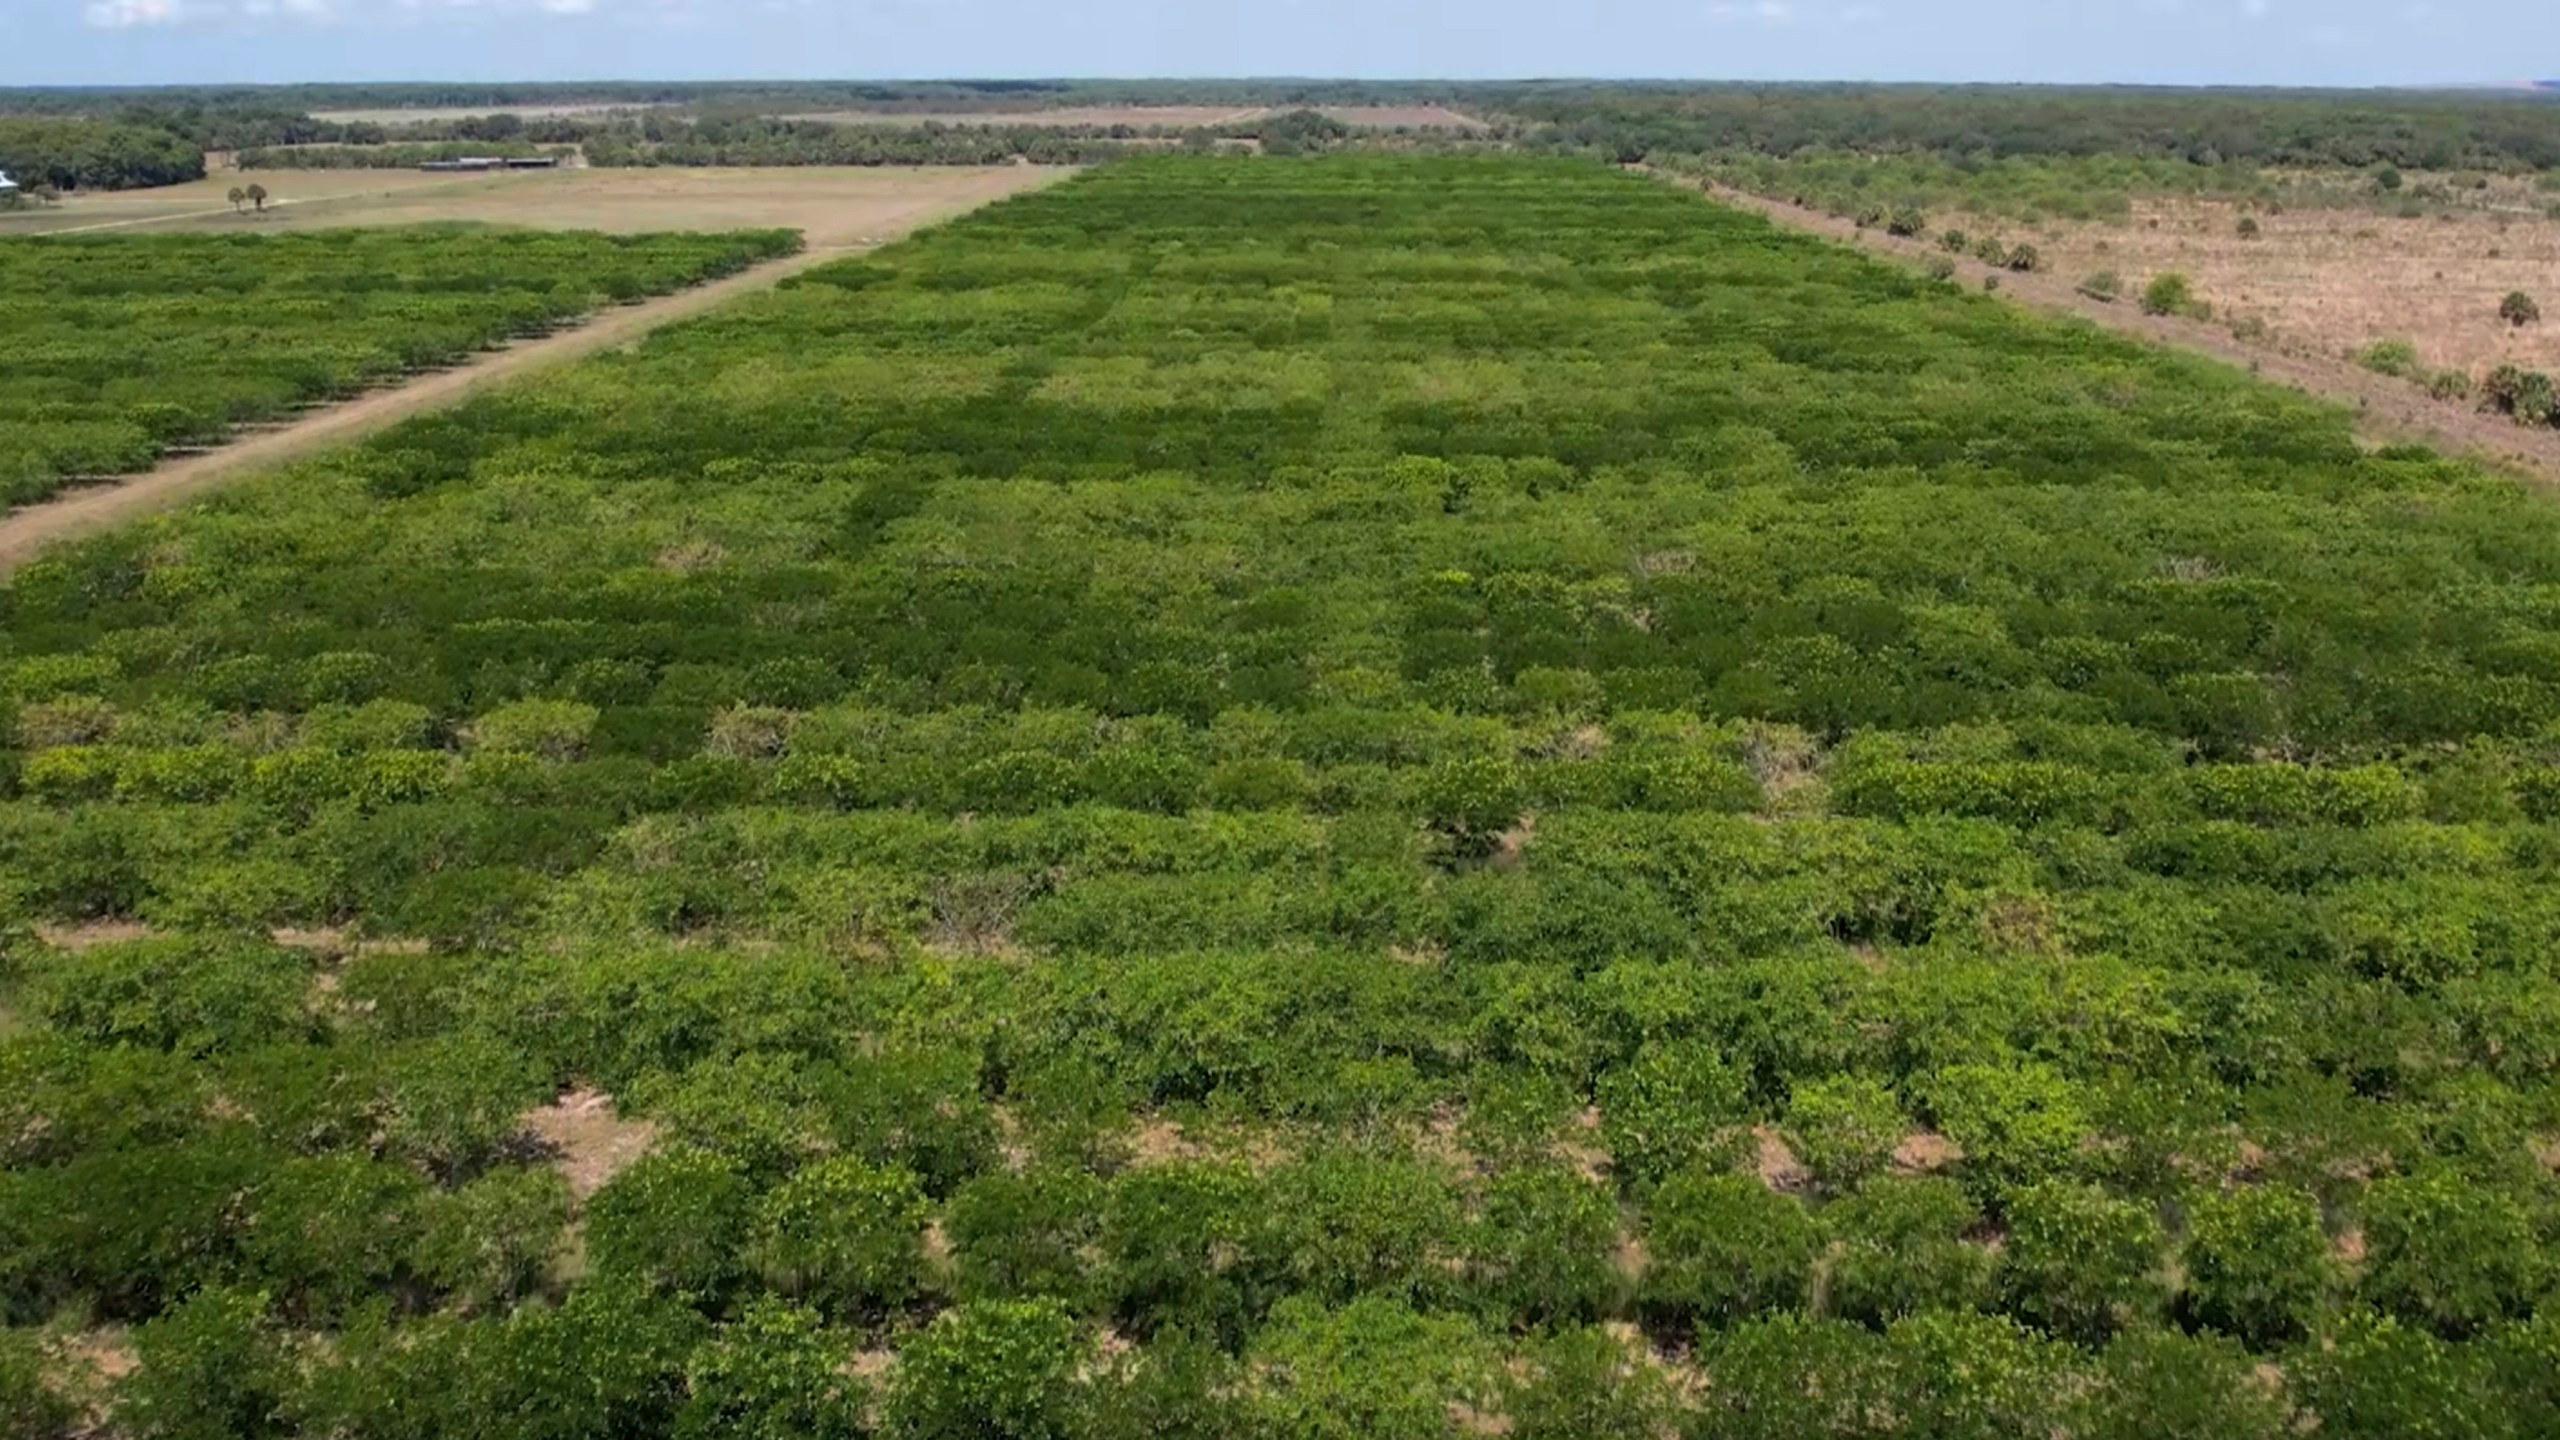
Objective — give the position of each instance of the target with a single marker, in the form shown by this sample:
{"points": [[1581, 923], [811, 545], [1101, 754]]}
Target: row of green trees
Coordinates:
{"points": [[126, 349], [73, 155], [1280, 786]]}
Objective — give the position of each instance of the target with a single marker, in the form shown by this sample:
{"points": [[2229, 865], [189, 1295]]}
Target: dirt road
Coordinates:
{"points": [[2387, 409], [24, 533]]}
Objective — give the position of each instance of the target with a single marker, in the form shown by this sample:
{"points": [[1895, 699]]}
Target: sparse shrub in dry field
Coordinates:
{"points": [[2248, 227], [1990, 251], [2526, 395], [2390, 357], [2449, 384], [1906, 221], [2102, 285], [2518, 309], [1939, 267], [1954, 242], [2024, 258], [2169, 293]]}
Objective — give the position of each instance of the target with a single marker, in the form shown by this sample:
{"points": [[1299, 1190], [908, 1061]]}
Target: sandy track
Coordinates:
{"points": [[25, 533], [2387, 409]]}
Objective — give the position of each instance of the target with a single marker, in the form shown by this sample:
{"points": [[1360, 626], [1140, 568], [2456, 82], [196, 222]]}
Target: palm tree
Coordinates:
{"points": [[239, 197]]}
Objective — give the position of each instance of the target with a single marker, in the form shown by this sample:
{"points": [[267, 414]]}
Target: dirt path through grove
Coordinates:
{"points": [[2387, 409], [24, 533]]}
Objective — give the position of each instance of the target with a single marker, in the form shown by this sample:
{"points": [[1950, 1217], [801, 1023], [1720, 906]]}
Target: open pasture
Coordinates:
{"points": [[438, 114], [832, 207], [342, 196], [2340, 281], [1353, 797]]}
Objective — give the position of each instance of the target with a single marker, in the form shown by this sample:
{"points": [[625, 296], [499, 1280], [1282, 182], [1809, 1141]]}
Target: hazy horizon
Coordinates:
{"points": [[2342, 43]]}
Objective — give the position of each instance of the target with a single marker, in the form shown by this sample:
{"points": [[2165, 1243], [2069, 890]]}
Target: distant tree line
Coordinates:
{"points": [[2420, 130], [96, 155]]}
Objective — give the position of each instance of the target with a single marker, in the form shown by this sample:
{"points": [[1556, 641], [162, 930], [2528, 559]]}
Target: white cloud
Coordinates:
{"points": [[125, 14], [128, 14], [1756, 12]]}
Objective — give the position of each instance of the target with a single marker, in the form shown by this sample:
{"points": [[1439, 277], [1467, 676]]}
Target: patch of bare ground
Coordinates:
{"points": [[1399, 117], [2386, 408], [1925, 1152], [90, 934], [589, 1142], [2329, 282], [25, 533], [1078, 117], [2348, 1245], [1581, 1148], [1777, 1164], [2547, 1150]]}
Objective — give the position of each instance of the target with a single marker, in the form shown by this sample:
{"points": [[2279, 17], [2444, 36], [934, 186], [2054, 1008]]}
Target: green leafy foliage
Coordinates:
{"points": [[129, 347], [772, 1374], [2257, 1264], [991, 1370], [844, 1235], [1722, 1249], [1304, 760]]}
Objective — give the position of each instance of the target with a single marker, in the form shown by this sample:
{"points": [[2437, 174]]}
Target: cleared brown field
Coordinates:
{"points": [[1168, 117], [1401, 117], [426, 114], [2334, 282], [833, 207], [1176, 117], [323, 192]]}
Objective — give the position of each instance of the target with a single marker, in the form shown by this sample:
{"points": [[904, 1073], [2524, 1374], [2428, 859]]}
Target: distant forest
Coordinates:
{"points": [[112, 138]]}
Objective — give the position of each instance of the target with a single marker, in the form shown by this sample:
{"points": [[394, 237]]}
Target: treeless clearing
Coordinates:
{"points": [[426, 114], [838, 219], [207, 200], [1175, 117], [1400, 117], [1144, 117], [2387, 408], [832, 206], [2333, 283]]}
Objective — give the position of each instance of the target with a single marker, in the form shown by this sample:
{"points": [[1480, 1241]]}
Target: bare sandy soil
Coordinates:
{"points": [[837, 225], [832, 206], [2334, 283], [2387, 409]]}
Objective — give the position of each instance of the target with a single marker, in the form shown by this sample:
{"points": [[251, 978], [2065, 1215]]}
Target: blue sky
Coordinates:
{"points": [[2324, 42]]}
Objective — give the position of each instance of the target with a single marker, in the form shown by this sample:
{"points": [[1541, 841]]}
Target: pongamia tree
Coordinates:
{"points": [[257, 196], [2257, 1263], [238, 197]]}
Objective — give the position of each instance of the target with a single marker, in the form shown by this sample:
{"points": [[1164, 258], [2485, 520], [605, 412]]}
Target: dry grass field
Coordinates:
{"points": [[2335, 282], [301, 197], [1165, 117], [833, 207], [425, 115], [1401, 117], [1171, 117]]}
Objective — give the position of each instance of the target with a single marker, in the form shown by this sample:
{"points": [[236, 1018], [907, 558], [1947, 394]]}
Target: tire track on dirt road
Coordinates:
{"points": [[25, 533]]}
